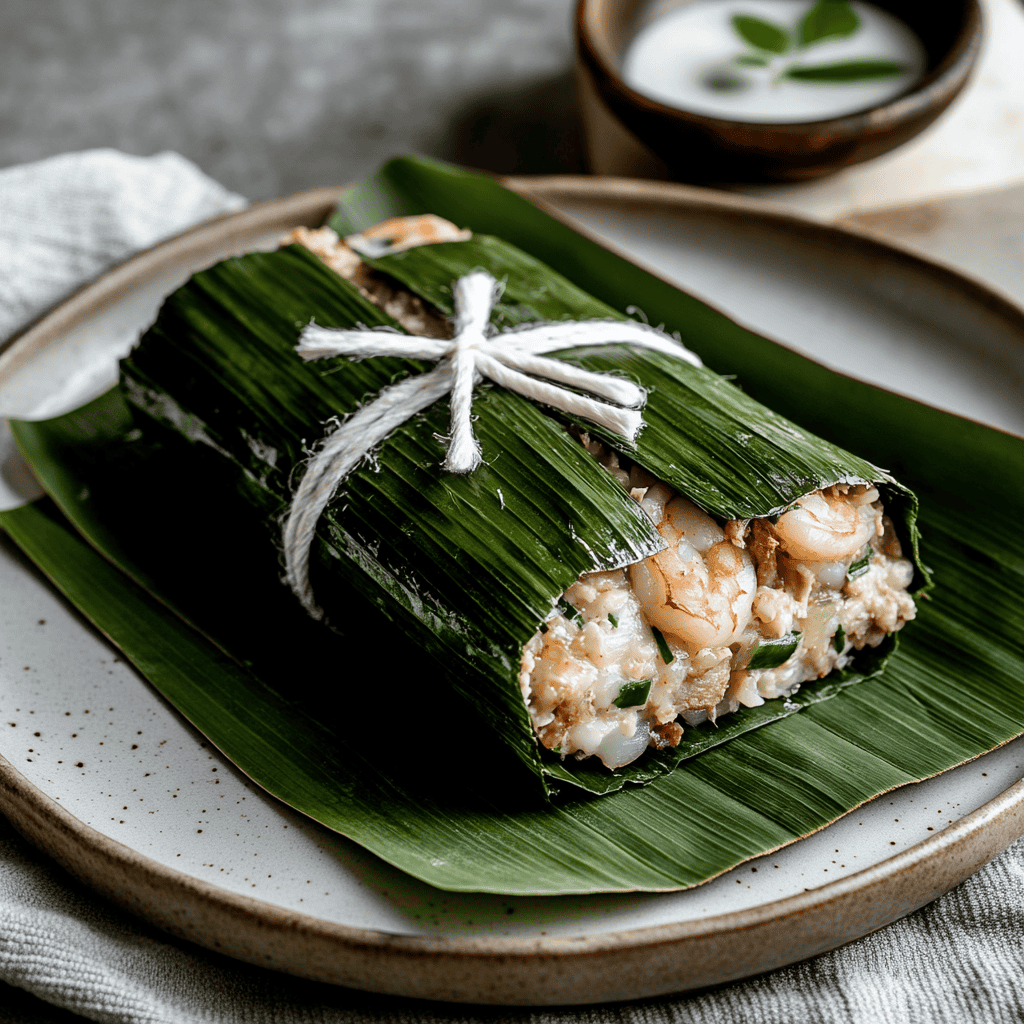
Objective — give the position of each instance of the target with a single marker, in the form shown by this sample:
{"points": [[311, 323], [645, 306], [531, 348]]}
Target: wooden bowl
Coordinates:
{"points": [[700, 148]]}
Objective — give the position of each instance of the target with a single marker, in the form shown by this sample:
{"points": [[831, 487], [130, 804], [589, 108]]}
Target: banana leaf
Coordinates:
{"points": [[951, 692], [466, 566]]}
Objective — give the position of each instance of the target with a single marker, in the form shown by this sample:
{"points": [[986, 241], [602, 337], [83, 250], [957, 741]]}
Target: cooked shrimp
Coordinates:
{"points": [[829, 526], [400, 233], [326, 244], [700, 589]]}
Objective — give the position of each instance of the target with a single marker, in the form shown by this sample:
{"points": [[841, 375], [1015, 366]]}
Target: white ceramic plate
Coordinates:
{"points": [[100, 772]]}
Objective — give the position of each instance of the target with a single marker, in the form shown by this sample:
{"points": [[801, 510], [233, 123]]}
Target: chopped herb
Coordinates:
{"points": [[613, 619], [556, 750], [839, 641], [859, 568], [773, 653], [572, 614], [663, 648], [633, 693]]}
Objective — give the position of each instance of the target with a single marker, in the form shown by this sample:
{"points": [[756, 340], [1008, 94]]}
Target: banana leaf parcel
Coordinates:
{"points": [[468, 566], [436, 581]]}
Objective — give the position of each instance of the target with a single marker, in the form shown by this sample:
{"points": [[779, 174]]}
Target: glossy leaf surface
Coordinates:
{"points": [[952, 691]]}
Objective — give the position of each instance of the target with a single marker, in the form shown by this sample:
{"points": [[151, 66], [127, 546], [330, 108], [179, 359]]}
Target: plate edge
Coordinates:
{"points": [[501, 971]]}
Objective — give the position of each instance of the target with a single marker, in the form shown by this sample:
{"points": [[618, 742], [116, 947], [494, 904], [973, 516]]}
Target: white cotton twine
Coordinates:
{"points": [[512, 358]]}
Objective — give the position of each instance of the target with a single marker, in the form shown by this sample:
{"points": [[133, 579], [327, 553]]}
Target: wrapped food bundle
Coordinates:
{"points": [[635, 566], [606, 604]]}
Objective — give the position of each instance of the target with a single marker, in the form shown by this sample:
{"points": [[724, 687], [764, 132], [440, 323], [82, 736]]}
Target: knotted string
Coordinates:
{"points": [[513, 358]]}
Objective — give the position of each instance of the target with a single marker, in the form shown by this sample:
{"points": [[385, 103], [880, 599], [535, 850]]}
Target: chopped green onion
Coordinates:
{"points": [[543, 627], [614, 620], [572, 614], [839, 641], [633, 693], [859, 568], [773, 653], [663, 648]]}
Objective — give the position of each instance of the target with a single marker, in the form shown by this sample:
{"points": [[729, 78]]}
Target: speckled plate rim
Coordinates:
{"points": [[608, 967]]}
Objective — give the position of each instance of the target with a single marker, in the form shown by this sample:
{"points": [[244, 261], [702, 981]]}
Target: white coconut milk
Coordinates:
{"points": [[695, 59]]}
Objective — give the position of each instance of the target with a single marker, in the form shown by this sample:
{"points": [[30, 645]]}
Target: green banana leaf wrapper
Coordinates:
{"points": [[463, 568], [181, 568]]}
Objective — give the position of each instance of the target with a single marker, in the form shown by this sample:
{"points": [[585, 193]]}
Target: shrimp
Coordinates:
{"points": [[400, 233], [700, 589], [324, 242], [830, 525]]}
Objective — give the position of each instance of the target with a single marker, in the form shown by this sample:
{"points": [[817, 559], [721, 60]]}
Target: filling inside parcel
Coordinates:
{"points": [[726, 616]]}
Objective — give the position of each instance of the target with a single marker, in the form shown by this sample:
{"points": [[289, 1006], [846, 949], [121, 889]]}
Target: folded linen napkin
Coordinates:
{"points": [[960, 960]]}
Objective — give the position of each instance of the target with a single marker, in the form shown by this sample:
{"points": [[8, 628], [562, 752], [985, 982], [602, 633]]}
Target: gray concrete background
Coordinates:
{"points": [[273, 96]]}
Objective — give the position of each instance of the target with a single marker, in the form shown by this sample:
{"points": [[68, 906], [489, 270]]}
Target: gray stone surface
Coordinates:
{"points": [[272, 96]]}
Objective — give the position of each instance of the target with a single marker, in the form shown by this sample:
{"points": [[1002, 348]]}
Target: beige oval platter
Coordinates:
{"points": [[890, 317]]}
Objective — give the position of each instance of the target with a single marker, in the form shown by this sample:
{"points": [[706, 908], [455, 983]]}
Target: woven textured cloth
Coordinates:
{"points": [[959, 960]]}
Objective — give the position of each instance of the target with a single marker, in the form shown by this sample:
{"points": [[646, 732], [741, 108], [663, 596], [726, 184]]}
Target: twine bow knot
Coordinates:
{"points": [[512, 358]]}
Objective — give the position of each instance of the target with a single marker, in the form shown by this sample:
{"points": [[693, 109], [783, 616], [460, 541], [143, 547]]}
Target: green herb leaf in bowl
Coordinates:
{"points": [[864, 70], [765, 35], [828, 19]]}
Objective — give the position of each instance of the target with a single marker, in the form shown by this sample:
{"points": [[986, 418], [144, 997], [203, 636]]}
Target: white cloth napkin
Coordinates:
{"points": [[960, 960], [65, 220]]}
